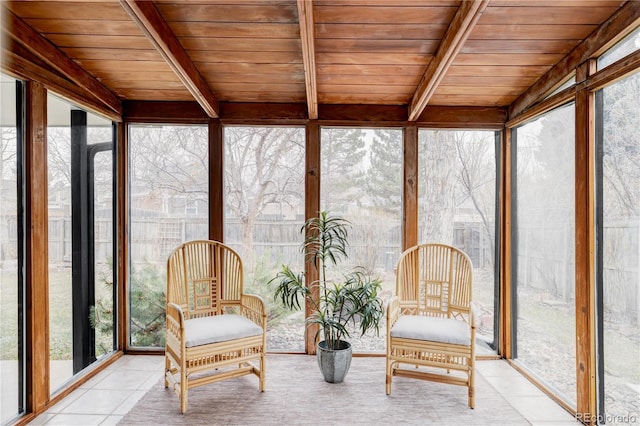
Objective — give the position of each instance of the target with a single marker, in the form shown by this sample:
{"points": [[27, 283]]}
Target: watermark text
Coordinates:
{"points": [[599, 419]]}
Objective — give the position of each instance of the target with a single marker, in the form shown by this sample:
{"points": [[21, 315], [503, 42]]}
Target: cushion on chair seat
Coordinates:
{"points": [[218, 328], [433, 329]]}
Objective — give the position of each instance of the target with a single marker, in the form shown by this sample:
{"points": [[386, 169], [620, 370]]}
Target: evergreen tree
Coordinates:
{"points": [[384, 176], [342, 168], [550, 192], [148, 304]]}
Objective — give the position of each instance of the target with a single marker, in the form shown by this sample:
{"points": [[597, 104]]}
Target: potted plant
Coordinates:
{"points": [[337, 303]]}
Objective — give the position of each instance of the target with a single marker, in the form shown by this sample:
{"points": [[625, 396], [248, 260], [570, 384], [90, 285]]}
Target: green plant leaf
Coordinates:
{"points": [[352, 300], [290, 287]]}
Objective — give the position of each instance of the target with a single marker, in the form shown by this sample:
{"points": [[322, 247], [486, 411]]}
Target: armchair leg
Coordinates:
{"points": [[183, 403], [388, 380], [262, 362], [184, 389], [167, 368], [472, 393]]}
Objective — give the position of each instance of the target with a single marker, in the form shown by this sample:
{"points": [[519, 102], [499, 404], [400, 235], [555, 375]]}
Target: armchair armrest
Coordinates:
{"points": [[473, 316], [393, 312], [254, 308], [175, 332], [174, 313]]}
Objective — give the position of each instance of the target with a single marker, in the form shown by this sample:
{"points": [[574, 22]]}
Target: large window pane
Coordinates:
{"points": [[60, 246], [361, 180], [168, 205], [457, 206], [11, 385], [103, 316], [264, 212], [81, 277], [544, 254], [620, 247]]}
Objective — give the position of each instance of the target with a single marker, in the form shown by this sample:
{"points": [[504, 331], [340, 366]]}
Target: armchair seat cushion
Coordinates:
{"points": [[432, 329], [219, 328]]}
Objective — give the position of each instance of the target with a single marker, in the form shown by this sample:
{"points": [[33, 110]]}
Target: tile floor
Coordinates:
{"points": [[530, 401], [107, 397]]}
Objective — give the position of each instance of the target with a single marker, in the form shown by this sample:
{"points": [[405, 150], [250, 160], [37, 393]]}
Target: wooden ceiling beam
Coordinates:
{"points": [[463, 117], [246, 113], [461, 26], [182, 112], [39, 46], [307, 39], [295, 114], [157, 30], [611, 31], [20, 67]]}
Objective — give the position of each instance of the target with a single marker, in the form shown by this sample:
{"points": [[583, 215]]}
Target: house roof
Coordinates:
{"points": [[405, 53]]}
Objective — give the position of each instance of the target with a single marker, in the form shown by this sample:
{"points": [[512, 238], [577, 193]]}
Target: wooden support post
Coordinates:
{"points": [[37, 240], [410, 188], [312, 207], [585, 243], [122, 228], [506, 281], [216, 181]]}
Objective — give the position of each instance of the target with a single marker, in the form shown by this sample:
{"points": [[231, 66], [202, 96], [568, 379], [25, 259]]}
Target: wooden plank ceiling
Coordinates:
{"points": [[379, 52]]}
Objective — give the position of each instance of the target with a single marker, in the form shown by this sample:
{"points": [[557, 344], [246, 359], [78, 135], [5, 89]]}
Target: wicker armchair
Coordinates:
{"points": [[214, 330], [429, 320]]}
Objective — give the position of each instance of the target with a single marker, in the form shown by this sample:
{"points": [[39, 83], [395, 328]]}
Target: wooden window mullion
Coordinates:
{"points": [[410, 188], [36, 259], [585, 243], [312, 207]]}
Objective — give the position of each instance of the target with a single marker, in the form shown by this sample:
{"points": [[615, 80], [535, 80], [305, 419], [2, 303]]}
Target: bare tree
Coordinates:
{"points": [[437, 184], [59, 159], [7, 172], [172, 160], [8, 152], [621, 198], [622, 147], [263, 169], [476, 158]]}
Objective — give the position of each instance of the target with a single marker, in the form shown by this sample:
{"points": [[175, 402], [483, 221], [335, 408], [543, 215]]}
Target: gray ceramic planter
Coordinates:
{"points": [[334, 363]]}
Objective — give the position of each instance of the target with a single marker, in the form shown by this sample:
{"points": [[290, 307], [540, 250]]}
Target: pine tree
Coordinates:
{"points": [[342, 168], [384, 176], [148, 302]]}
